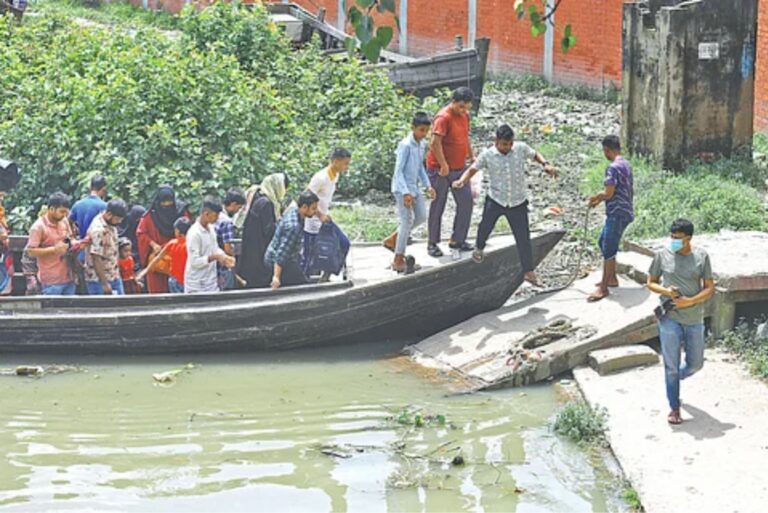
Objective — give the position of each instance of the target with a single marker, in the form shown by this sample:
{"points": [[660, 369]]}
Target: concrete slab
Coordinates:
{"points": [[738, 258], [614, 359], [478, 350], [714, 462]]}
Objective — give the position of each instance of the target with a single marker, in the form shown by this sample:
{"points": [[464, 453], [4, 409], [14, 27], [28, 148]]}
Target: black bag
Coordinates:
{"points": [[330, 251]]}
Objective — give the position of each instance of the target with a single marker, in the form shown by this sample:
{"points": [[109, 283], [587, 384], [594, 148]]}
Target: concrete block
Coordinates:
{"points": [[606, 361]]}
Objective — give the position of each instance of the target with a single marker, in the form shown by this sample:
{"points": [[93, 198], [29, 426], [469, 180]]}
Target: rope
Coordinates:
{"points": [[577, 269]]}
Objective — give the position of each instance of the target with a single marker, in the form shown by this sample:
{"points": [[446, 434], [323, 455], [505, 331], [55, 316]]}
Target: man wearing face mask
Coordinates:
{"points": [[681, 274]]}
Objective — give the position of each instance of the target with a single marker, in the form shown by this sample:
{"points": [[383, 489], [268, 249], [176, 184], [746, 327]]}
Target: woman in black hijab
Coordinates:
{"points": [[154, 231], [128, 228]]}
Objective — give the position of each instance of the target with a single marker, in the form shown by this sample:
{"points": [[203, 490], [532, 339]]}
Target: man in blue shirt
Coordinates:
{"points": [[408, 182], [86, 209]]}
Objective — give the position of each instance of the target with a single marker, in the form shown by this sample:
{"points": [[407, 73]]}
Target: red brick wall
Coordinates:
{"points": [[594, 61], [761, 74]]}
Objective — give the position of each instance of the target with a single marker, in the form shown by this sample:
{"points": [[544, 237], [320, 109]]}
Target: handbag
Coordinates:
{"points": [[162, 266]]}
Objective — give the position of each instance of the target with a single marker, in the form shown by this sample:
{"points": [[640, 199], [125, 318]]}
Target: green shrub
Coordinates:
{"points": [[744, 342], [101, 11], [140, 109], [225, 104], [710, 197], [582, 424]]}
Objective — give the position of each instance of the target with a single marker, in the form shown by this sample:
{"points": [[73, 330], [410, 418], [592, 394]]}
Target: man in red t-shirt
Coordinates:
{"points": [[449, 153]]}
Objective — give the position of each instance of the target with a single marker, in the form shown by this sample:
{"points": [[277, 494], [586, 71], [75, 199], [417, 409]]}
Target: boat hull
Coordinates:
{"points": [[405, 307]]}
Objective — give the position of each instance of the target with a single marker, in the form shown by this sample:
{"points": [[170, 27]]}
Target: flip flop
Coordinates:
{"points": [[593, 298], [674, 418]]}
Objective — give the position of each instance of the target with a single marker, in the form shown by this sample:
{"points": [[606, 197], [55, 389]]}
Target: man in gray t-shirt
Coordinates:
{"points": [[682, 275]]}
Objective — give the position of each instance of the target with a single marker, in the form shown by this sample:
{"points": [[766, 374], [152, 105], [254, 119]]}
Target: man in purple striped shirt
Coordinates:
{"points": [[619, 213]]}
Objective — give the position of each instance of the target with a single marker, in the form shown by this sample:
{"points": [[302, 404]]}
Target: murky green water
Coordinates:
{"points": [[248, 434]]}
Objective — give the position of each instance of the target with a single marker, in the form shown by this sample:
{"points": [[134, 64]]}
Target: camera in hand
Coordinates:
{"points": [[664, 308]]}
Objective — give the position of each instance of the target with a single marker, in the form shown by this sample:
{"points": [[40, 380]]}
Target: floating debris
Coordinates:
{"points": [[169, 377], [38, 371]]}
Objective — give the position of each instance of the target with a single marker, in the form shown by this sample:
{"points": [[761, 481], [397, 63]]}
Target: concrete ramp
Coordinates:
{"points": [[496, 349]]}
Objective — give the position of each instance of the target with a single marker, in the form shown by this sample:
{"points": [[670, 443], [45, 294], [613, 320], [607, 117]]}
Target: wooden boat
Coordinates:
{"points": [[374, 303], [418, 76]]}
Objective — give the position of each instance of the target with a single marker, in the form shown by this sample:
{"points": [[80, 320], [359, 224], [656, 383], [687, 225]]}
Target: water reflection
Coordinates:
{"points": [[271, 433]]}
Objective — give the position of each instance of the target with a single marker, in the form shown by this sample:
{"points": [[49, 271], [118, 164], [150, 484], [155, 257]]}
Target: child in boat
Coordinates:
{"points": [[127, 267], [172, 258], [408, 181], [504, 166]]}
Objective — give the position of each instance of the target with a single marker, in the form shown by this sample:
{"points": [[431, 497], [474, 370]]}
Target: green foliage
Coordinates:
{"points": [[582, 424], [141, 109], [370, 39], [365, 223], [415, 418], [744, 342], [108, 12], [225, 104], [714, 197], [540, 15], [631, 498]]}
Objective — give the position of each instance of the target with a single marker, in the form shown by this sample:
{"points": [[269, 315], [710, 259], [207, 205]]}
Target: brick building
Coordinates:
{"points": [[429, 27]]}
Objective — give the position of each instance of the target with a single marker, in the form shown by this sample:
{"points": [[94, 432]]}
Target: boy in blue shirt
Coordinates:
{"points": [[408, 181], [85, 210]]}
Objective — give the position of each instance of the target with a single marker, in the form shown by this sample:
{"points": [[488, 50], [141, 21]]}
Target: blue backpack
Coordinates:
{"points": [[331, 248]]}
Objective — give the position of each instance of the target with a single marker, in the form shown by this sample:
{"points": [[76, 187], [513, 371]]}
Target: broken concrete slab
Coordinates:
{"points": [[486, 351], [614, 359], [714, 462]]}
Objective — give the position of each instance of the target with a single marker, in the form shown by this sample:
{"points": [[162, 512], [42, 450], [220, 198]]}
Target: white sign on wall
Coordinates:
{"points": [[709, 51]]}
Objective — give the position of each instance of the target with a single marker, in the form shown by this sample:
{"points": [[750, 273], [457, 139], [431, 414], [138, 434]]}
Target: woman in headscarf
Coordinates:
{"points": [[264, 208], [128, 228], [154, 231]]}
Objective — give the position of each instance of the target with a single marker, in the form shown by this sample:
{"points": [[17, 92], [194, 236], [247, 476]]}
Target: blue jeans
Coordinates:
{"points": [[174, 287], [95, 289], [675, 336], [60, 289], [610, 237], [410, 218]]}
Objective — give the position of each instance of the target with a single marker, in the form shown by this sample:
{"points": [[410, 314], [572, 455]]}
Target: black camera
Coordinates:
{"points": [[664, 308]]}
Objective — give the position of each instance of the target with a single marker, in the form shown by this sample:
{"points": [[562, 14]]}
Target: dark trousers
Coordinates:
{"points": [[463, 199], [517, 217], [292, 275]]}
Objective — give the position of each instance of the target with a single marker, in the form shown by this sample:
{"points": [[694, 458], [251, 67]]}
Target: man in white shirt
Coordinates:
{"points": [[323, 184], [203, 251]]}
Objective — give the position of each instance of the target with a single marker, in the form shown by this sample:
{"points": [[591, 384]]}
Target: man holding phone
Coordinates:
{"points": [[682, 276]]}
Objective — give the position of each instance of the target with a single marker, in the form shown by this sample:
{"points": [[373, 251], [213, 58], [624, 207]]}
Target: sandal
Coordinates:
{"points": [[434, 251], [674, 418]]}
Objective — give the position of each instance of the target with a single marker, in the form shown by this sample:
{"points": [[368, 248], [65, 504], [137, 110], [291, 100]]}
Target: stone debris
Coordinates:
{"points": [[606, 361]]}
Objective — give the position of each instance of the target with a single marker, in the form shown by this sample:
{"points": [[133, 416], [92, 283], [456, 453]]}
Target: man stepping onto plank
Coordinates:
{"points": [[503, 165]]}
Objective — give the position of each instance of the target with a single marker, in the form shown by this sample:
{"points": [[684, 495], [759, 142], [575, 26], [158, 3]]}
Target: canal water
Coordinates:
{"points": [[338, 430]]}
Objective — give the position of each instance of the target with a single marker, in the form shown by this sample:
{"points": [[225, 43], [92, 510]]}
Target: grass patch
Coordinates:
{"points": [[581, 423], [745, 343], [365, 223], [631, 498], [718, 196], [537, 84], [117, 12]]}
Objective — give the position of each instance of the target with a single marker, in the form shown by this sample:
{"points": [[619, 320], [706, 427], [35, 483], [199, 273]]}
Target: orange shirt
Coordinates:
{"points": [[126, 266], [177, 250], [454, 130]]}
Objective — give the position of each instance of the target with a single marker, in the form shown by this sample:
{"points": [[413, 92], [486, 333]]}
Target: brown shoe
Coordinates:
{"points": [[399, 264], [390, 242]]}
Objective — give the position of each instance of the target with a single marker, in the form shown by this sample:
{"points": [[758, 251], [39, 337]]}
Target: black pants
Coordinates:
{"points": [[291, 275], [517, 217]]}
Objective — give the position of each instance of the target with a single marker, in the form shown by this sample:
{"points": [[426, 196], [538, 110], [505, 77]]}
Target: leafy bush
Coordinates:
{"points": [[711, 197], [744, 341], [140, 109], [582, 424], [225, 104], [108, 12]]}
